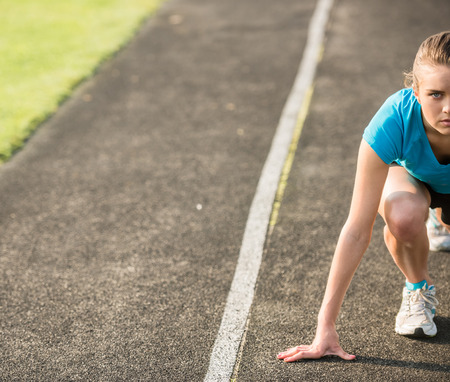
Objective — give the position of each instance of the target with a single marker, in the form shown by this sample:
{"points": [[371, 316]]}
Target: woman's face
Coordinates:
{"points": [[433, 93]]}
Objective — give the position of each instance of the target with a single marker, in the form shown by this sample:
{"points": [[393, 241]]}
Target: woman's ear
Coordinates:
{"points": [[416, 92]]}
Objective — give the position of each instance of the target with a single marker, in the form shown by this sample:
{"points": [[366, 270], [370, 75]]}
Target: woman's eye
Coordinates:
{"points": [[435, 95]]}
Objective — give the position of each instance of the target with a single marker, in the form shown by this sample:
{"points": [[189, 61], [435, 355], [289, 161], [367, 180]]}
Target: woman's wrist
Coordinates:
{"points": [[325, 324]]}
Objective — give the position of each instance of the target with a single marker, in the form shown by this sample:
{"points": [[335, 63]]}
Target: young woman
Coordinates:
{"points": [[403, 170]]}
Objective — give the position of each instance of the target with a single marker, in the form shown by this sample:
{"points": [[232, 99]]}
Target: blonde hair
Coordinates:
{"points": [[435, 50]]}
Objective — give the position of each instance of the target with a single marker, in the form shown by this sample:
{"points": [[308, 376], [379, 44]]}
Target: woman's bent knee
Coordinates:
{"points": [[405, 215]]}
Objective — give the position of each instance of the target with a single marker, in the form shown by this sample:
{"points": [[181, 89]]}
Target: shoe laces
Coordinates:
{"points": [[435, 226], [439, 231], [420, 298]]}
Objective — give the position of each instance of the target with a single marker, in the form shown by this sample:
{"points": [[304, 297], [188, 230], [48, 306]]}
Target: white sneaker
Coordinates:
{"points": [[416, 314], [438, 236]]}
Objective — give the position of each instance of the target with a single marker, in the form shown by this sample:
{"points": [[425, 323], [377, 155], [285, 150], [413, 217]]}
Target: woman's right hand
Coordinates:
{"points": [[325, 343]]}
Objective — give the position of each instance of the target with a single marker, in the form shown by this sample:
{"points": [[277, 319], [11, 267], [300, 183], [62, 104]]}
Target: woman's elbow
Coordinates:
{"points": [[357, 234]]}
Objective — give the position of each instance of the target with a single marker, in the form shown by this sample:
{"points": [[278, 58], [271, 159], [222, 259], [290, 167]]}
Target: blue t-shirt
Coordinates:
{"points": [[396, 133]]}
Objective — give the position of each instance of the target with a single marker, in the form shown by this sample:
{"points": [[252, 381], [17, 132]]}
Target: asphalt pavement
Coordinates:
{"points": [[122, 218]]}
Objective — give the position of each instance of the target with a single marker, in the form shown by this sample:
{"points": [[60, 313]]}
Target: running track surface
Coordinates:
{"points": [[123, 219]]}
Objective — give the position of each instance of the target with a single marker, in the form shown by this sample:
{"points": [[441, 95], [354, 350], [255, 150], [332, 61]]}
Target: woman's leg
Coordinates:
{"points": [[438, 231], [404, 207], [438, 215]]}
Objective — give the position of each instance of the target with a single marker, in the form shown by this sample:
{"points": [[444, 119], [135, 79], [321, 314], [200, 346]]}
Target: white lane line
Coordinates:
{"points": [[242, 289]]}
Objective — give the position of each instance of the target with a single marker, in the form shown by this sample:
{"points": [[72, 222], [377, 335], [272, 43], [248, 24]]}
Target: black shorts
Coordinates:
{"points": [[440, 201]]}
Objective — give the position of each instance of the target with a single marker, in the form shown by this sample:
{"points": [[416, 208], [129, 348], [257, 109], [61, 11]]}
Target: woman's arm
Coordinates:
{"points": [[353, 241]]}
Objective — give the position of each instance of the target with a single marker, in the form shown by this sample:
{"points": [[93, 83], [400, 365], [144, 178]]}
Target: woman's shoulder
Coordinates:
{"points": [[402, 104], [393, 122], [404, 97]]}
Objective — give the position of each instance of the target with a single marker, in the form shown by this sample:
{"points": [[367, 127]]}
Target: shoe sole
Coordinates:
{"points": [[418, 333]]}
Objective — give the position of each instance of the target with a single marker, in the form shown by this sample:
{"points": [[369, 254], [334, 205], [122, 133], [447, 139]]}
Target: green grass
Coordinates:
{"points": [[47, 47]]}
